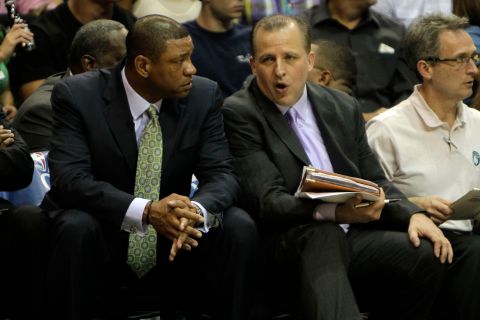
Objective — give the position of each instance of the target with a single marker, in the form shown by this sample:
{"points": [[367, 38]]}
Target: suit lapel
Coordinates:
{"points": [[279, 125], [170, 115], [326, 115], [119, 118]]}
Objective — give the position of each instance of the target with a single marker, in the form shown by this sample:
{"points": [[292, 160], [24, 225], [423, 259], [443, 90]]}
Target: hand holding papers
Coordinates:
{"points": [[333, 187]]}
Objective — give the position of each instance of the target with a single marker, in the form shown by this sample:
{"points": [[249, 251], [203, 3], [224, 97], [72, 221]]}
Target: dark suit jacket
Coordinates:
{"points": [[16, 167], [34, 117], [93, 152], [269, 156]]}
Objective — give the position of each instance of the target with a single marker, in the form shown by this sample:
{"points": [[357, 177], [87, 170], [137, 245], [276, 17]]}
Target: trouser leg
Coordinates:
{"points": [[460, 293], [78, 255], [217, 275], [317, 256], [393, 279]]}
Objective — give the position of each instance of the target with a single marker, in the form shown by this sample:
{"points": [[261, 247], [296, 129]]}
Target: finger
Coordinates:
{"points": [[181, 239], [8, 141], [173, 251], [443, 252], [177, 204], [185, 213], [193, 232], [450, 253], [436, 249], [191, 242], [183, 223], [414, 238]]}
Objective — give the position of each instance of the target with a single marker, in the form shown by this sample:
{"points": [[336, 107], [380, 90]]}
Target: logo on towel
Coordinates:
{"points": [[476, 158]]}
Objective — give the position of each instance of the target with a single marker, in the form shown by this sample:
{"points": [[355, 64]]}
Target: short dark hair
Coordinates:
{"points": [[93, 38], [422, 38], [279, 21], [150, 34], [336, 58]]}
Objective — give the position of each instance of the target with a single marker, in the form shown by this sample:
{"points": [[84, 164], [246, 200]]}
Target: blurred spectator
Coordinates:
{"points": [[17, 36], [54, 32], [334, 66], [33, 7], [374, 40], [179, 10], [257, 9], [471, 10], [405, 11], [97, 44], [222, 47]]}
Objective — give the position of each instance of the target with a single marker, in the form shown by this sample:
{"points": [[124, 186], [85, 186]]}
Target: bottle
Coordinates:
{"points": [[14, 18]]}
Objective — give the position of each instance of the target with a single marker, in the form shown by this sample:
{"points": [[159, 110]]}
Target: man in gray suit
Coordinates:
{"points": [[395, 274], [98, 44]]}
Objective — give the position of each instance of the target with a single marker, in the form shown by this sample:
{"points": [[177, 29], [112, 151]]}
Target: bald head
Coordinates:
{"points": [[97, 44]]}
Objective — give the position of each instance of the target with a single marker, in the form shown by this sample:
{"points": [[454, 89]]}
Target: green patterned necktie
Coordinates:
{"points": [[142, 250]]}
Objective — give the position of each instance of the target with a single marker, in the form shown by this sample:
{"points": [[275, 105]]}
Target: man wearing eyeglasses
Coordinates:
{"points": [[429, 147]]}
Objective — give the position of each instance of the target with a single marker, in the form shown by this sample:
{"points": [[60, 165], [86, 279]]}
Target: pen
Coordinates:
{"points": [[366, 204]]}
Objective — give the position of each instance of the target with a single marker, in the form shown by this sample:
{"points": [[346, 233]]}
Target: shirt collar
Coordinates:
{"points": [[299, 106], [321, 13], [138, 105], [429, 117]]}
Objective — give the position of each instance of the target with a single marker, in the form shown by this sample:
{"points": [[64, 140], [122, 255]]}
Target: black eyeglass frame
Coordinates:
{"points": [[461, 60]]}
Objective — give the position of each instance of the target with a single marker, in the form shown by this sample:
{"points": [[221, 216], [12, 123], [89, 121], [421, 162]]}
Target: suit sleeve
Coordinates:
{"points": [[218, 185], [73, 183], [16, 165], [265, 194], [395, 215]]}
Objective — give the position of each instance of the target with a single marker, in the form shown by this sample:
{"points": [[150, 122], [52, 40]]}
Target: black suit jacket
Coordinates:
{"points": [[269, 156], [93, 152]]}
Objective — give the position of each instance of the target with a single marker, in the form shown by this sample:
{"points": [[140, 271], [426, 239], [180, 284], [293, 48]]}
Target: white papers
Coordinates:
{"points": [[335, 197]]}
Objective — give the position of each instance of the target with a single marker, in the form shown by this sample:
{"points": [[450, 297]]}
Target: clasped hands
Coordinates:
{"points": [[175, 217], [6, 137]]}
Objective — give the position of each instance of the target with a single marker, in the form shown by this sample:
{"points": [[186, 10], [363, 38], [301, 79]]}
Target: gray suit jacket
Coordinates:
{"points": [[34, 118], [269, 156]]}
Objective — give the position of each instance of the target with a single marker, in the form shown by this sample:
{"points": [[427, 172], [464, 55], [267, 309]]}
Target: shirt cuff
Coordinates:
{"points": [[208, 219], [133, 222], [325, 212]]}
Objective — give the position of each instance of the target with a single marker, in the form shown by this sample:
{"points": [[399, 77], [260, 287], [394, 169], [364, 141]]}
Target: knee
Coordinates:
{"points": [[239, 226], [326, 232], [424, 262], [31, 222], [75, 227]]}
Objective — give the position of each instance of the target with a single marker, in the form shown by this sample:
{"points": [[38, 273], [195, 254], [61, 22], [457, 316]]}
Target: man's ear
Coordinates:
{"points": [[88, 62], [251, 61], [142, 66], [325, 78], [311, 60], [425, 69]]}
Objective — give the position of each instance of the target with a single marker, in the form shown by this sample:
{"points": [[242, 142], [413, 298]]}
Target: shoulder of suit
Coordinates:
{"points": [[203, 86]]}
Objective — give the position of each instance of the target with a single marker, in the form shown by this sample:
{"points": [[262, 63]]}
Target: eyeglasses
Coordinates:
{"points": [[461, 60]]}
